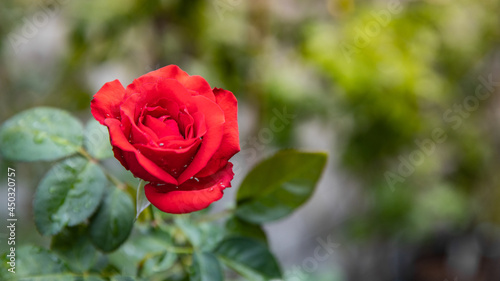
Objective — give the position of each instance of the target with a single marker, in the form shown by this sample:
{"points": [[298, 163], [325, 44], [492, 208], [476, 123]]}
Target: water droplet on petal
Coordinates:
{"points": [[196, 179], [161, 144], [211, 189]]}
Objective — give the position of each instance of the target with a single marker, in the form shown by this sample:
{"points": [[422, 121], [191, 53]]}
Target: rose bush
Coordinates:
{"points": [[174, 131]]}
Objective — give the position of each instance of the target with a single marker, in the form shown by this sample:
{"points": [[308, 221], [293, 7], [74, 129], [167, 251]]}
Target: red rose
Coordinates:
{"points": [[172, 130]]}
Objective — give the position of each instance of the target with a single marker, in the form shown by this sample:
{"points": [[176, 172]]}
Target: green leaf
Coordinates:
{"points": [[68, 194], [53, 277], [248, 257], [113, 221], [96, 140], [279, 185], [139, 249], [202, 235], [141, 201], [238, 227], [74, 247], [206, 267], [158, 263], [89, 278], [40, 133], [34, 263], [123, 278]]}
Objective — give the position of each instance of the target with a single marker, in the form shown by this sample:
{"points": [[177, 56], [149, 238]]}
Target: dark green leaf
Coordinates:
{"points": [[74, 247], [206, 267], [248, 257], [113, 222], [40, 134], [68, 194], [238, 227], [96, 140], [279, 185]]}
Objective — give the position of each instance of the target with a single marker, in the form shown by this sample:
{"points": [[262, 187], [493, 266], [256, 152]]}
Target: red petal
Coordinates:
{"points": [[214, 119], [106, 102], [174, 161], [168, 127], [138, 164], [230, 144], [192, 196], [195, 83], [200, 126]]}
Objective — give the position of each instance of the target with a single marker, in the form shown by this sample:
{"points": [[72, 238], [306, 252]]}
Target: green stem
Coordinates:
{"points": [[155, 222], [180, 250], [118, 183], [85, 154]]}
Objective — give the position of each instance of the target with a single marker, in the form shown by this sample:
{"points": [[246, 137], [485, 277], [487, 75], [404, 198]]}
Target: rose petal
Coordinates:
{"points": [[175, 142], [106, 102], [200, 126], [195, 83], [214, 119], [138, 164], [230, 144], [174, 161], [185, 124], [168, 127], [153, 89], [192, 196]]}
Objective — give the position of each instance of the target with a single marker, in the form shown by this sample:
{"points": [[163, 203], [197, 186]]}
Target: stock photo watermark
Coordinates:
{"points": [[322, 252], [32, 24], [454, 116], [371, 29], [11, 220]]}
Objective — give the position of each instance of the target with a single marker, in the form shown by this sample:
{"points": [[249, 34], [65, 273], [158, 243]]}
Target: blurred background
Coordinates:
{"points": [[402, 94]]}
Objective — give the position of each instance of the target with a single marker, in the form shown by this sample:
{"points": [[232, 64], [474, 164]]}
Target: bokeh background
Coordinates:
{"points": [[402, 94]]}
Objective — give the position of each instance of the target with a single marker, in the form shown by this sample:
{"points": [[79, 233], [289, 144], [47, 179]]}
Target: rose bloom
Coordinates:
{"points": [[174, 131]]}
